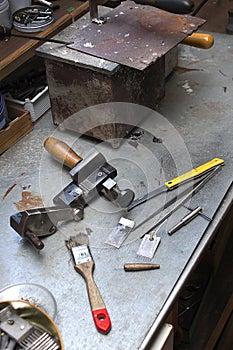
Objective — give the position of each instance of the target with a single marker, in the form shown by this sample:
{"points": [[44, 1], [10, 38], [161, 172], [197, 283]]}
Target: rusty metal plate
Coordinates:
{"points": [[135, 35]]}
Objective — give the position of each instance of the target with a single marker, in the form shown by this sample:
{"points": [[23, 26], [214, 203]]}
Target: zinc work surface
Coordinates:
{"points": [[194, 125]]}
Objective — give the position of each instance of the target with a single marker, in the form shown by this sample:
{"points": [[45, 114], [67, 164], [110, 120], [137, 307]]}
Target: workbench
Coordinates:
{"points": [[194, 125], [17, 51]]}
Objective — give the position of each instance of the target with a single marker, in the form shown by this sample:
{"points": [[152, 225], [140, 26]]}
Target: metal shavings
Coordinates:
{"points": [[187, 87], [88, 45], [157, 140]]}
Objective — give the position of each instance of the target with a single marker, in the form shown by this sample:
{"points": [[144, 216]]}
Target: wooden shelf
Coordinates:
{"points": [[16, 51]]}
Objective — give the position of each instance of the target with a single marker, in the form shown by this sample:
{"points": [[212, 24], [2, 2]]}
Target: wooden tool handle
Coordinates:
{"points": [[199, 40], [99, 311], [62, 152], [140, 266]]}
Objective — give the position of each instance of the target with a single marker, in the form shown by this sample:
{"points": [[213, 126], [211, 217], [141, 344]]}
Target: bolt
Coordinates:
{"points": [[53, 229]]}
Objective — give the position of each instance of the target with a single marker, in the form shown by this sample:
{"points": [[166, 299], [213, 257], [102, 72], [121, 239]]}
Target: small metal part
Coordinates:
{"points": [[12, 324], [189, 217], [203, 215], [122, 197]]}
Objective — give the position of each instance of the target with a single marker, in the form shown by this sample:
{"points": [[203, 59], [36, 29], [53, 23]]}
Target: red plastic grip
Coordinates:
{"points": [[102, 320]]}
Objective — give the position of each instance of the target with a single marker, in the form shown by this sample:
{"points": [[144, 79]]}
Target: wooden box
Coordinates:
{"points": [[20, 125]]}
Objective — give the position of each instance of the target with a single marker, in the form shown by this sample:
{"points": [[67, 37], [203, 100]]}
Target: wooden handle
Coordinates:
{"points": [[62, 152], [99, 311], [199, 40], [140, 266]]}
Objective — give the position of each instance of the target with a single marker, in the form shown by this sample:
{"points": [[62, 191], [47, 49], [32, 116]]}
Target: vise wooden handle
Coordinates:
{"points": [[199, 40], [62, 152]]}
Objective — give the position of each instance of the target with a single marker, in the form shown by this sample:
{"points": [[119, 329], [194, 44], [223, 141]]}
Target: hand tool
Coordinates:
{"points": [[174, 183], [41, 222], [128, 267], [84, 264], [92, 176], [189, 217], [196, 188], [187, 194], [6, 33]]}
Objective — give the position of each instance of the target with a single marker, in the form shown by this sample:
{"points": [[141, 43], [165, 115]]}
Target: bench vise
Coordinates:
{"points": [[91, 176]]}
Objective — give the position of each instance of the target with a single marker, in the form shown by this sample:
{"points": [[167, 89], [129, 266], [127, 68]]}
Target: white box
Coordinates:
{"points": [[37, 106]]}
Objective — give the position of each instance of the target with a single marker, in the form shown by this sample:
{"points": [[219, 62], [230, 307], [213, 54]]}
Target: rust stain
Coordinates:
{"points": [[89, 231], [163, 23], [182, 70], [29, 201], [8, 191]]}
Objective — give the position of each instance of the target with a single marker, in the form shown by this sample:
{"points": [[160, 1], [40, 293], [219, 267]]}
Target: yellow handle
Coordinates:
{"points": [[194, 172], [199, 40]]}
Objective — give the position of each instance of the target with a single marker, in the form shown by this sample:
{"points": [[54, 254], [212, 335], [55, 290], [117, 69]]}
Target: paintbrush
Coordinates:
{"points": [[84, 264]]}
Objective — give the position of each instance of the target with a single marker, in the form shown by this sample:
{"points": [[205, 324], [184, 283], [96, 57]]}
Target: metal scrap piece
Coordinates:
{"points": [[135, 35]]}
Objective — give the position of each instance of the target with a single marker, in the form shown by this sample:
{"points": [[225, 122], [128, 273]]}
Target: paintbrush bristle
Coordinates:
{"points": [[75, 241]]}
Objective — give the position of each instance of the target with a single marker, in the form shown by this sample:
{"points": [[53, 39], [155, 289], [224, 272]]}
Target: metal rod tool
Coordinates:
{"points": [[189, 217], [6, 33]]}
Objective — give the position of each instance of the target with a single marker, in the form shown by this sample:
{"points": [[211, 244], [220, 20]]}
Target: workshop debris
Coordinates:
{"points": [[157, 140], [84, 264]]}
